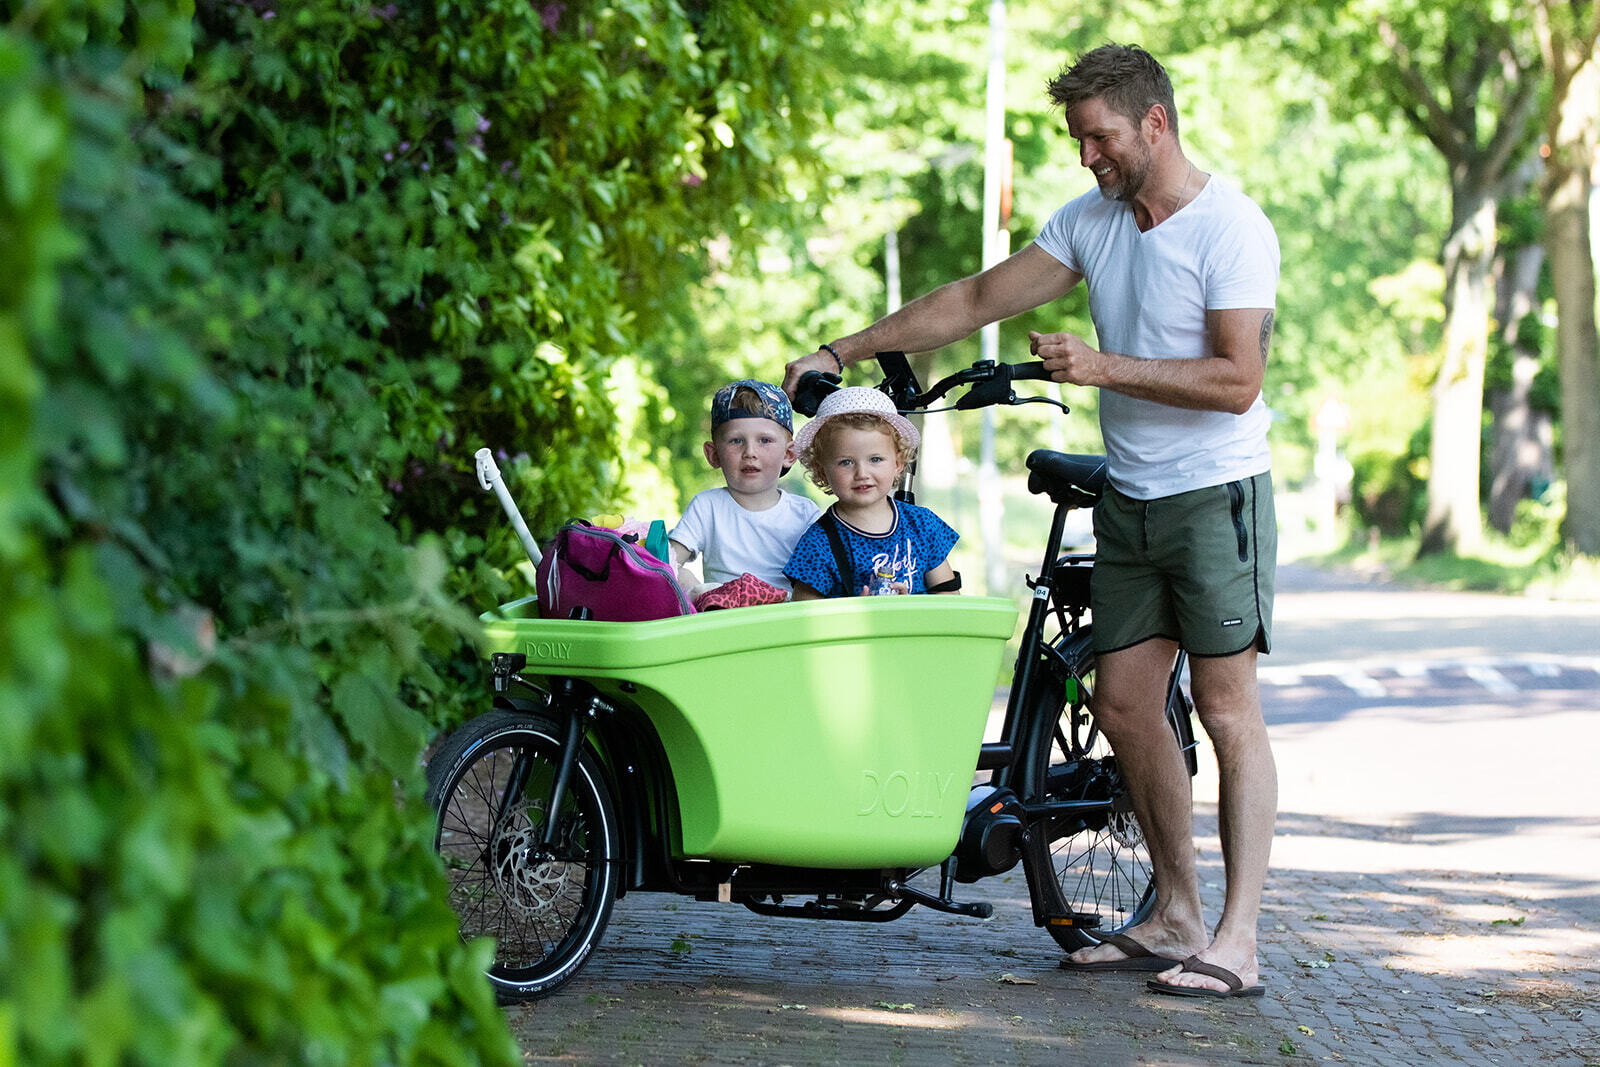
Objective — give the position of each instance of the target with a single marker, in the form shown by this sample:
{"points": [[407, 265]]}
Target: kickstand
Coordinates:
{"points": [[943, 902]]}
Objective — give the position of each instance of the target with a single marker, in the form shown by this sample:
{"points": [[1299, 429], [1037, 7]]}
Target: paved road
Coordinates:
{"points": [[1433, 898]]}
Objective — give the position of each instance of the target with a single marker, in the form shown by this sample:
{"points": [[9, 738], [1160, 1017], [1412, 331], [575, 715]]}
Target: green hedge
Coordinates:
{"points": [[268, 275]]}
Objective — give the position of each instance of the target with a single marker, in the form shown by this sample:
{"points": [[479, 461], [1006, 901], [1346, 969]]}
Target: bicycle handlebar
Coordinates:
{"points": [[989, 384]]}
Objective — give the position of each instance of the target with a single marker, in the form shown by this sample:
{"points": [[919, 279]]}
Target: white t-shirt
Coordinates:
{"points": [[733, 540], [1148, 296]]}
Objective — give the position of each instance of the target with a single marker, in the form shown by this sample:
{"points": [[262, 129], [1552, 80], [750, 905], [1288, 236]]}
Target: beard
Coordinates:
{"points": [[1134, 173]]}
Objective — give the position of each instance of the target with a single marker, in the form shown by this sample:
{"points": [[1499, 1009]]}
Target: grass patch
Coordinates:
{"points": [[1496, 566]]}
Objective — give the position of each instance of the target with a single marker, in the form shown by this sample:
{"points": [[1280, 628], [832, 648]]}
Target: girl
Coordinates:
{"points": [[856, 449]]}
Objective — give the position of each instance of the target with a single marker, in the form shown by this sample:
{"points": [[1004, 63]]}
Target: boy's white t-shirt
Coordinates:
{"points": [[733, 540], [1148, 296]]}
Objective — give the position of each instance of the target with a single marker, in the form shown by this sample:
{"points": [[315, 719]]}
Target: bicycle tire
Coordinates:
{"points": [[1099, 870], [546, 914]]}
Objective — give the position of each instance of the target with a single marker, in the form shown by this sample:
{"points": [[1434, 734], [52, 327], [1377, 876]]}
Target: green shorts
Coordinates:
{"points": [[1196, 567]]}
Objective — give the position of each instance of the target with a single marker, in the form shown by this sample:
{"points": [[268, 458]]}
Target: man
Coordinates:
{"points": [[1181, 270]]}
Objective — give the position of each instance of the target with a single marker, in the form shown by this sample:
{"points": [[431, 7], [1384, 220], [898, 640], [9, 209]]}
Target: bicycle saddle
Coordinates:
{"points": [[1075, 481]]}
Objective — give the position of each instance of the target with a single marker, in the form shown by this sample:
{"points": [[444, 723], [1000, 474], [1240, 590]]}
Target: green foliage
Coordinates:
{"points": [[1521, 227], [1532, 560], [267, 278], [1388, 57], [903, 152], [1538, 519], [1387, 491]]}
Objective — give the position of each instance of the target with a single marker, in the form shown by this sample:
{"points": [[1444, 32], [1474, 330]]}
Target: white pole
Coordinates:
{"points": [[489, 478], [991, 504], [891, 269]]}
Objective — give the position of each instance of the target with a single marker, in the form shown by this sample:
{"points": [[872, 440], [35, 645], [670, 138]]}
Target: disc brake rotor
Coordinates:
{"points": [[527, 881], [1124, 828]]}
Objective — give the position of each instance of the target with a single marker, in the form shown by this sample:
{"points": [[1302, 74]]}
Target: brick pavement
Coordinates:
{"points": [[1394, 965]]}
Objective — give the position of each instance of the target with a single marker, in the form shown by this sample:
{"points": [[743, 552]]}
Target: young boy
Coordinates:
{"points": [[856, 449], [749, 525]]}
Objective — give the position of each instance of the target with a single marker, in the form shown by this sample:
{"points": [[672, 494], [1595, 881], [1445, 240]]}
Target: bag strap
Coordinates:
{"points": [[949, 585], [841, 558]]}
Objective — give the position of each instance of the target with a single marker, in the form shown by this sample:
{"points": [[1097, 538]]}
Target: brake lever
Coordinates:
{"points": [[1018, 401]]}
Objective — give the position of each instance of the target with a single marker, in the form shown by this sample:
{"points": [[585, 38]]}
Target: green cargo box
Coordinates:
{"points": [[837, 733]]}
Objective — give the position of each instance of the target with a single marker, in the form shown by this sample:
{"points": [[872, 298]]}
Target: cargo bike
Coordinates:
{"points": [[803, 760]]}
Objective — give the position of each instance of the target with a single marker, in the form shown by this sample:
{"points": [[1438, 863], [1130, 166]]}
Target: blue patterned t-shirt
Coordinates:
{"points": [[917, 542]]}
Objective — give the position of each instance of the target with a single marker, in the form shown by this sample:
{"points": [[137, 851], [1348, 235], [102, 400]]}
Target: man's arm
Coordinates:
{"points": [[1019, 283], [1228, 380]]}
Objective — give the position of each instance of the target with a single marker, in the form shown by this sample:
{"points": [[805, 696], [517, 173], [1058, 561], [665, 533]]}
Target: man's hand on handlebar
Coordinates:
{"points": [[986, 383], [818, 360], [1067, 357]]}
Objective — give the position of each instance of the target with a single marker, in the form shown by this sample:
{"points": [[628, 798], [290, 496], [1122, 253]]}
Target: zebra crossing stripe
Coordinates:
{"points": [[1488, 673], [1363, 684], [1490, 679]]}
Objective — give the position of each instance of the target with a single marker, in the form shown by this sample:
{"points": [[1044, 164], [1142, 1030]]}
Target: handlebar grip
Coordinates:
{"points": [[1029, 372], [986, 394], [814, 387]]}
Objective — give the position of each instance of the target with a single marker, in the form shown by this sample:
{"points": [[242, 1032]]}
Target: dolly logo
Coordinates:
{"points": [[548, 650], [918, 794]]}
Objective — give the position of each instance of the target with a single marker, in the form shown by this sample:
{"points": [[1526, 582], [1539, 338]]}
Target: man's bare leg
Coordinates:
{"points": [[1129, 705], [1228, 702]]}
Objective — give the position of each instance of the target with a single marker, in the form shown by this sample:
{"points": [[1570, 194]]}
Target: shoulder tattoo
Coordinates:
{"points": [[1266, 336]]}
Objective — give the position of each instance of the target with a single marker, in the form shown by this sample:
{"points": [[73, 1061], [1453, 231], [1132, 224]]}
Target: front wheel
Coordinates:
{"points": [[1093, 865], [546, 907]]}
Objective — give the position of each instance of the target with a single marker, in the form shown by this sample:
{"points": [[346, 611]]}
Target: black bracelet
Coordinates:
{"points": [[834, 352]]}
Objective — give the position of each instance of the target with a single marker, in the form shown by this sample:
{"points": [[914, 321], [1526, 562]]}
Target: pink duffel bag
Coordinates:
{"points": [[609, 573]]}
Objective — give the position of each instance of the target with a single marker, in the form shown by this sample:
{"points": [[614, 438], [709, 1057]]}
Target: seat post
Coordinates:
{"points": [[1052, 547], [1029, 652]]}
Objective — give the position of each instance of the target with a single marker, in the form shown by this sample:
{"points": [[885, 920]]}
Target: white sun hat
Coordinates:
{"points": [[857, 398]]}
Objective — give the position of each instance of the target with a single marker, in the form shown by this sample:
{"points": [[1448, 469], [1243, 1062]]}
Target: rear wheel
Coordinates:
{"points": [[546, 908], [1093, 864]]}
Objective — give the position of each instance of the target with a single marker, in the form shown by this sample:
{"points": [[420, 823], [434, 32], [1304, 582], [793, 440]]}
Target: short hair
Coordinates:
{"points": [[813, 458], [746, 399], [1125, 76]]}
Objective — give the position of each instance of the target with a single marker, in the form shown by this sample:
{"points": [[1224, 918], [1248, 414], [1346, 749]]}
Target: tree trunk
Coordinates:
{"points": [[1452, 522], [1520, 456], [1575, 131]]}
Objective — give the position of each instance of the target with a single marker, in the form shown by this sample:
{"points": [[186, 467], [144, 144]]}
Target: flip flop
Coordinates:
{"points": [[1236, 986], [1135, 958]]}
